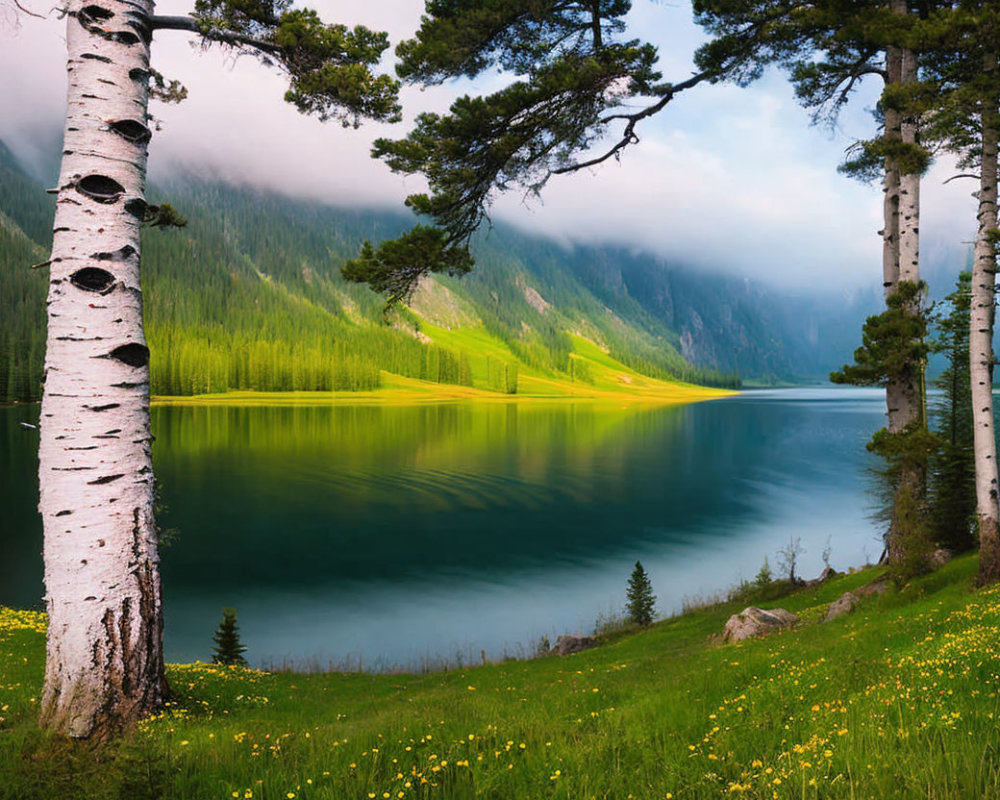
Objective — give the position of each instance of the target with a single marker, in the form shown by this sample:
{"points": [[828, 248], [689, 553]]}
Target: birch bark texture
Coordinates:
{"points": [[104, 657], [894, 388], [904, 390], [901, 239], [981, 355]]}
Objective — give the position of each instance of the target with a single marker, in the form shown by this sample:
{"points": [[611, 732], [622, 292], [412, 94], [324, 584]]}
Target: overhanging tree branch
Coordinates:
{"points": [[192, 25], [629, 136]]}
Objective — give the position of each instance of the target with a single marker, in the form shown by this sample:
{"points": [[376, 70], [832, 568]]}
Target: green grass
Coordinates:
{"points": [[609, 381], [897, 700]]}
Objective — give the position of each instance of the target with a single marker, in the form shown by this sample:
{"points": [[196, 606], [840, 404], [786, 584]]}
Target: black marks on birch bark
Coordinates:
{"points": [[107, 407], [93, 279], [136, 207], [100, 188], [96, 57], [140, 23], [103, 480], [125, 639], [123, 37], [119, 256], [131, 130], [95, 13], [135, 355]]}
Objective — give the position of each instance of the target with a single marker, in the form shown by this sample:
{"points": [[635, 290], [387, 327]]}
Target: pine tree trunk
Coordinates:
{"points": [[104, 660], [981, 350]]}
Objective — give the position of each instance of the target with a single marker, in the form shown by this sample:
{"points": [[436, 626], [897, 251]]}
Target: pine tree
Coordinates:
{"points": [[228, 648], [953, 470], [894, 350], [640, 597]]}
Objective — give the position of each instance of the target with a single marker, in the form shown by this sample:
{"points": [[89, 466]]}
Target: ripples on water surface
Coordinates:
{"points": [[402, 535]]}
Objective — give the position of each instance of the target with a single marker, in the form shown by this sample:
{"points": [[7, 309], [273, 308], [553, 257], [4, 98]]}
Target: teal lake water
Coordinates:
{"points": [[410, 535]]}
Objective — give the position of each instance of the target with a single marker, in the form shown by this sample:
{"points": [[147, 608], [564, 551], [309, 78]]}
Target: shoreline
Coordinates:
{"points": [[412, 391]]}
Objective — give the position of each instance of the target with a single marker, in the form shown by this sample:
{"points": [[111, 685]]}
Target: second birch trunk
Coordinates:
{"points": [[981, 348]]}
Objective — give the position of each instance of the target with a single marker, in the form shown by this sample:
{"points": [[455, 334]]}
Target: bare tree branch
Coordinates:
{"points": [[190, 24], [23, 10], [956, 177], [628, 135]]}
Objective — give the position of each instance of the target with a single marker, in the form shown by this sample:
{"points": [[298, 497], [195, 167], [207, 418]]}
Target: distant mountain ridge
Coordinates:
{"points": [[249, 295]]}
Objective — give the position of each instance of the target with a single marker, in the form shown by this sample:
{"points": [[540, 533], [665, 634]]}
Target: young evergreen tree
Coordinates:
{"points": [[639, 597], [894, 348], [104, 659], [953, 471], [228, 648]]}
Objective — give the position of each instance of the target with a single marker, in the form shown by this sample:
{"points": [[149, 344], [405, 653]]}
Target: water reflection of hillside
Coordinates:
{"points": [[306, 496], [383, 529]]}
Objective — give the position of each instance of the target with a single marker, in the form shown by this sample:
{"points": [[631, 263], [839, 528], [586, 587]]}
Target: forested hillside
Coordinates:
{"points": [[249, 296]]}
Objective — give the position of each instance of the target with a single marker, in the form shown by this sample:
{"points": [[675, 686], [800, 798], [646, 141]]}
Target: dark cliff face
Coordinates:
{"points": [[727, 322]]}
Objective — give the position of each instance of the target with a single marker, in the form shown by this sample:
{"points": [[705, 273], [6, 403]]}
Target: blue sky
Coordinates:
{"points": [[725, 178]]}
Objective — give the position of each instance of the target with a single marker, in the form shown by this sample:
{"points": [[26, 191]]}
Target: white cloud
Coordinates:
{"points": [[729, 178]]}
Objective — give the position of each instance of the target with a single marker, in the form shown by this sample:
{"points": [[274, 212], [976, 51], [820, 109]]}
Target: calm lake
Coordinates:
{"points": [[386, 536]]}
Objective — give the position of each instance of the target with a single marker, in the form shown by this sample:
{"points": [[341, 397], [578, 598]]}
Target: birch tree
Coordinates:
{"points": [[104, 659], [965, 118], [982, 315]]}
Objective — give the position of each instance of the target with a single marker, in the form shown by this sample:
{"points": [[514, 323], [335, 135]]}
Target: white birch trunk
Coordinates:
{"points": [[908, 405], [981, 351], [104, 662], [904, 391], [894, 389]]}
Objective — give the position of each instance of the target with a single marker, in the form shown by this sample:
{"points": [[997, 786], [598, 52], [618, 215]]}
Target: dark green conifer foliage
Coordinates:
{"points": [[892, 343], [327, 64], [639, 596], [893, 346], [228, 648], [574, 76], [953, 471]]}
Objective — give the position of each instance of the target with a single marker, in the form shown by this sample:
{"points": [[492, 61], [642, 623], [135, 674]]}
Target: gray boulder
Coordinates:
{"points": [[939, 558], [825, 575], [876, 587], [844, 604], [755, 621], [570, 643]]}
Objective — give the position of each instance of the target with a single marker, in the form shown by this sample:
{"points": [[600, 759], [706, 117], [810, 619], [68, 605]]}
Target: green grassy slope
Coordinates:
{"points": [[249, 296], [898, 700]]}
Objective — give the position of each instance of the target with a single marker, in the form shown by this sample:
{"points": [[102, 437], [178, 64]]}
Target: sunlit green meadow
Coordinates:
{"points": [[896, 700], [604, 380]]}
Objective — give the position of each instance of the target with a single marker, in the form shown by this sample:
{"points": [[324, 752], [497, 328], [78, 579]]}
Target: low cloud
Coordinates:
{"points": [[726, 178]]}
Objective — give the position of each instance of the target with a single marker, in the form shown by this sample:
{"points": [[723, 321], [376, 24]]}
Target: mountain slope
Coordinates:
{"points": [[249, 296]]}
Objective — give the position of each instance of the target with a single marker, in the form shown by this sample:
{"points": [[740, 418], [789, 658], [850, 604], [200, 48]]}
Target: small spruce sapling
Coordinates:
{"points": [[765, 576], [640, 597], [228, 648]]}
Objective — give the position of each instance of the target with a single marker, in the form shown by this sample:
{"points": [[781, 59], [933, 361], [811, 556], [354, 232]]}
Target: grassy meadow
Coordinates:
{"points": [[598, 377], [897, 700]]}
